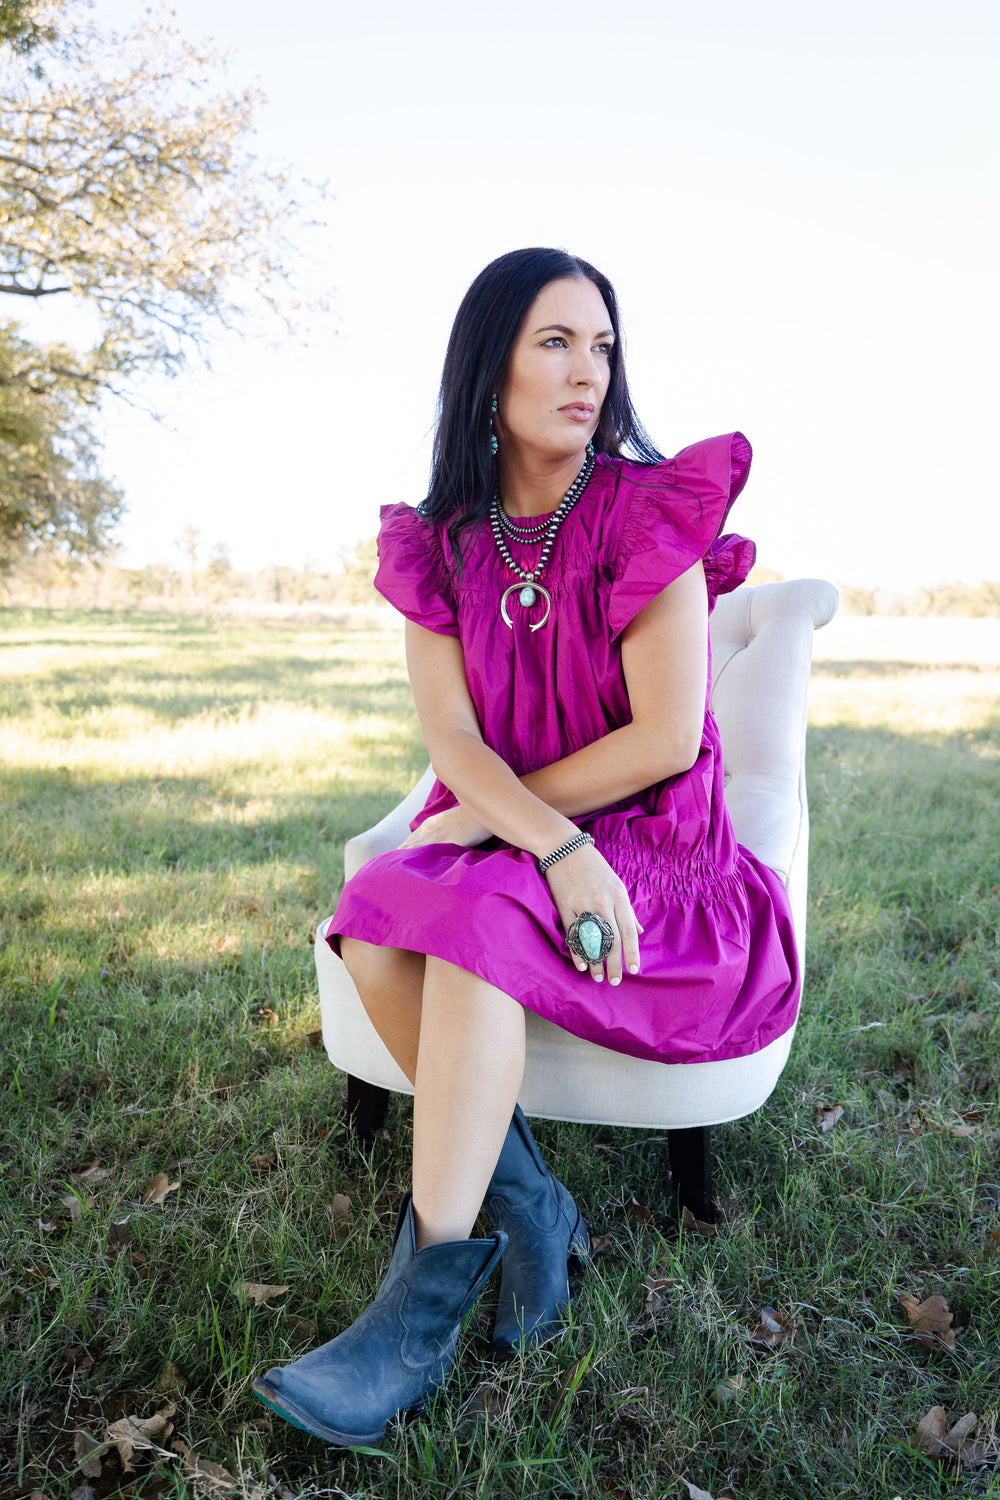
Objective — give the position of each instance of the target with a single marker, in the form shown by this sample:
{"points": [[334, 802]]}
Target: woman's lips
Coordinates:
{"points": [[577, 412]]}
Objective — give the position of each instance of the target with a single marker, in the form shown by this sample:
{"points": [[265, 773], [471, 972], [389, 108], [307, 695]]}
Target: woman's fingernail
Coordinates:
{"points": [[616, 980], [598, 978], [633, 968]]}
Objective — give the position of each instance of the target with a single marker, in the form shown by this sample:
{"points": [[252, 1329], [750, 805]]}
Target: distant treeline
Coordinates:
{"points": [[48, 579]]}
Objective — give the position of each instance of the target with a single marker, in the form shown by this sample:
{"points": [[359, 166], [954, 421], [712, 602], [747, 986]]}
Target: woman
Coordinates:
{"points": [[575, 856]]}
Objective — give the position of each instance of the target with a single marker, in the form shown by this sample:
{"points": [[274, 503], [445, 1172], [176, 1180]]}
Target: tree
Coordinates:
{"points": [[126, 182], [50, 483]]}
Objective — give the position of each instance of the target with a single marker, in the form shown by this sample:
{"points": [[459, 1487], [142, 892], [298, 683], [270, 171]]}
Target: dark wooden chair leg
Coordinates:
{"points": [[366, 1107], [690, 1153]]}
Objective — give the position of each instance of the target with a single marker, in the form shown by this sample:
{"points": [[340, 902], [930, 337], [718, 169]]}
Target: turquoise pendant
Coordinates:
{"points": [[527, 596], [590, 940]]}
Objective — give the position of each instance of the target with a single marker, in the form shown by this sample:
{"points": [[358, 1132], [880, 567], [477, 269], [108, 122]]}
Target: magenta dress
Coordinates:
{"points": [[719, 973]]}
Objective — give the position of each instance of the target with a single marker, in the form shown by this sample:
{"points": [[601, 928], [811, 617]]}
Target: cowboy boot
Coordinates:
{"points": [[399, 1351], [546, 1234]]}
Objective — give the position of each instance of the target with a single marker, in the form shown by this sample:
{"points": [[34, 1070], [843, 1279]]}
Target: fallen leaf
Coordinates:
{"points": [[228, 944], [930, 1320], [268, 1015], [208, 1477], [48, 1227], [84, 1447], [171, 1379], [302, 1329], [694, 1493], [727, 1390], [995, 1237], [828, 1116], [158, 1189], [640, 1213], [92, 1175], [38, 1495], [341, 1211], [78, 1360], [600, 1244], [774, 1331], [657, 1287], [82, 1492], [76, 1205], [314, 1038], [252, 1291], [132, 1434], [697, 1226], [119, 1238], [931, 1439], [267, 1161]]}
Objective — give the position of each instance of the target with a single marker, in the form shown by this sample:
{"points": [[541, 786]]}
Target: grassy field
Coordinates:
{"points": [[176, 795]]}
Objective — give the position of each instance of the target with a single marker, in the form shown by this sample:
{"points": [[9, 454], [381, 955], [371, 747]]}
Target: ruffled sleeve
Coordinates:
{"points": [[674, 517], [412, 573]]}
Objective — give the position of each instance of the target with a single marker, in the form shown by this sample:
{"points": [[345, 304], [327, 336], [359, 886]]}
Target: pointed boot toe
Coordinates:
{"points": [[397, 1353]]}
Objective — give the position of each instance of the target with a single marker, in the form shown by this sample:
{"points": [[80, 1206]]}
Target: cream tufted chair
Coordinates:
{"points": [[761, 652]]}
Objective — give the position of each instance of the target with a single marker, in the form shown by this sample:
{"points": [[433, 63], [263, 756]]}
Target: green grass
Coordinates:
{"points": [[176, 796]]}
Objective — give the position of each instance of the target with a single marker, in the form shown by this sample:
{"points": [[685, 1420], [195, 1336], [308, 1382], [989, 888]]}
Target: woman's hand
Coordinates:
{"points": [[452, 826], [584, 881]]}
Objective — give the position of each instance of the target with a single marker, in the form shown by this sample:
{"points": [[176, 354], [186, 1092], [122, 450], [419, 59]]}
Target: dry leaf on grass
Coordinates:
{"points": [[135, 1434], [77, 1205], [932, 1439], [775, 1331], [82, 1492], [314, 1038], [158, 1189], [170, 1379], [93, 1175], [267, 1015], [252, 1291], [228, 944], [208, 1478], [727, 1390], [640, 1213], [930, 1320], [88, 1450], [302, 1329], [341, 1211], [694, 1493], [78, 1360], [827, 1116], [600, 1244], [267, 1161], [697, 1226]]}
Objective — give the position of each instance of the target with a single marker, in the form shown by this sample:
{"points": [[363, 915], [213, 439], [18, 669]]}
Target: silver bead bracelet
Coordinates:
{"points": [[577, 842]]}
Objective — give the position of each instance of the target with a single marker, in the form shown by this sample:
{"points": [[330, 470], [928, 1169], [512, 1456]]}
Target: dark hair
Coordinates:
{"points": [[463, 471]]}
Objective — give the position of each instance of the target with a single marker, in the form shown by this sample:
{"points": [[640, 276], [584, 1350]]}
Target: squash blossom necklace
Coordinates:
{"points": [[530, 586]]}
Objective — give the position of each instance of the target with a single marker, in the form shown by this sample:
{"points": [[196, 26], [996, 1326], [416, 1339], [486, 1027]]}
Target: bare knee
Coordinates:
{"points": [[382, 972]]}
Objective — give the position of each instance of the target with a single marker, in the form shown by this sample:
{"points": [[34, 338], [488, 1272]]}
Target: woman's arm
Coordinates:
{"points": [[665, 664]]}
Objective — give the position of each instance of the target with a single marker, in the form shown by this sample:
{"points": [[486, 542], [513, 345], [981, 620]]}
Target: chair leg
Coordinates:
{"points": [[366, 1107], [690, 1153]]}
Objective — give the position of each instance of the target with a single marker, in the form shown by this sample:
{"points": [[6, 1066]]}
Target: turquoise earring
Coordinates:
{"points": [[494, 445], [590, 449]]}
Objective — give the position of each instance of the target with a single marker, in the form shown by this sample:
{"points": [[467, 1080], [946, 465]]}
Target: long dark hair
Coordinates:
{"points": [[463, 470]]}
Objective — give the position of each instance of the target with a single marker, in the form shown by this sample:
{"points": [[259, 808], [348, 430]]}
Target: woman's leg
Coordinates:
{"points": [[469, 1069], [460, 1041], [390, 982]]}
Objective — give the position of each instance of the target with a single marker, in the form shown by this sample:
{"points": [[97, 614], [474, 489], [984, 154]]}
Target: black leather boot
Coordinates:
{"points": [[545, 1235], [397, 1353]]}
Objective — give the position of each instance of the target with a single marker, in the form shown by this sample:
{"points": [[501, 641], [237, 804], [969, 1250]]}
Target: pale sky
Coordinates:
{"points": [[797, 204]]}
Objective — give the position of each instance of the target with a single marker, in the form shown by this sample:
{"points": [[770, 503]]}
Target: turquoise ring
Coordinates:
{"points": [[590, 937]]}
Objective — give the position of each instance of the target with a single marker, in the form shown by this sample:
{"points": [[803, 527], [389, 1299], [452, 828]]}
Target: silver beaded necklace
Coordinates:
{"points": [[530, 586]]}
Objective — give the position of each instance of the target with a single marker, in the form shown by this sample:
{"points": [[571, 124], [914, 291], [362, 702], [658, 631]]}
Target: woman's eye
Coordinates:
{"points": [[604, 348], [556, 339]]}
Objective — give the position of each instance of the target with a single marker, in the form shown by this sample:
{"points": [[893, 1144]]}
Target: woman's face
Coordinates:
{"points": [[558, 374]]}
